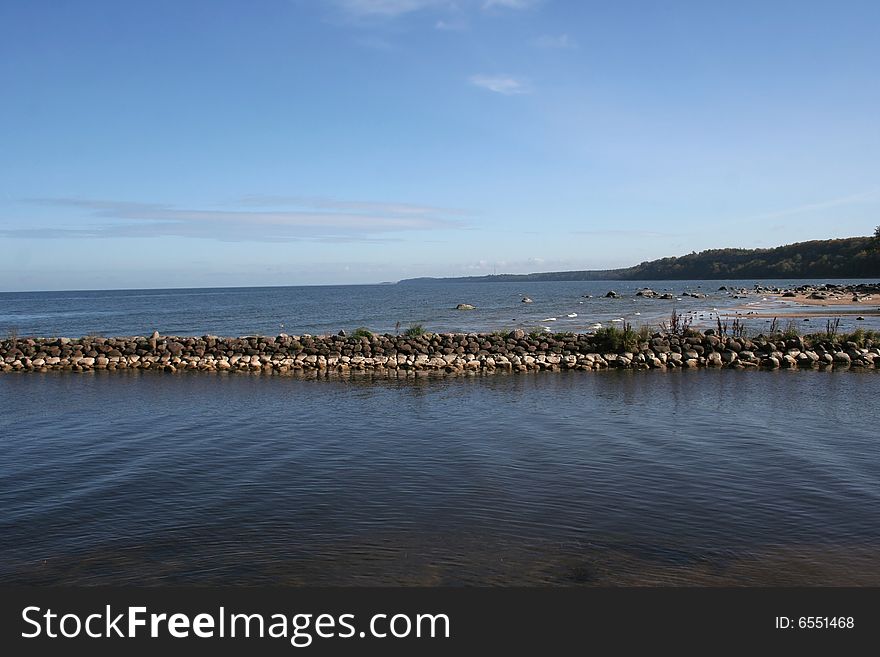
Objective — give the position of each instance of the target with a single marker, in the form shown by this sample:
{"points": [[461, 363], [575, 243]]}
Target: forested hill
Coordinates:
{"points": [[852, 257]]}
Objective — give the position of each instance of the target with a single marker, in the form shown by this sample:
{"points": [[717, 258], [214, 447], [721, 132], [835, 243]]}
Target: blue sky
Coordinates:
{"points": [[286, 142]]}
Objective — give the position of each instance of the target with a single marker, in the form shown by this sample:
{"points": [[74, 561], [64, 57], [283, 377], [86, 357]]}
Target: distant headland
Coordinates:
{"points": [[852, 257]]}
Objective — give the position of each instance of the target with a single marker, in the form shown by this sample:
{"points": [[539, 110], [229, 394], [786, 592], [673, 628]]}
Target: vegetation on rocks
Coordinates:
{"points": [[860, 337], [613, 339]]}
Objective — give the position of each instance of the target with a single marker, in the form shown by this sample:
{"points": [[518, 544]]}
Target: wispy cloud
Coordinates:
{"points": [[501, 84], [530, 264], [260, 200], [610, 232], [395, 8], [374, 42], [318, 220], [510, 4], [386, 8], [450, 26], [820, 205], [557, 41]]}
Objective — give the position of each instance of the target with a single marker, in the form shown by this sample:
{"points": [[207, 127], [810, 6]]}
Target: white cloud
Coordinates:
{"points": [[530, 264], [501, 84], [319, 219], [561, 42]]}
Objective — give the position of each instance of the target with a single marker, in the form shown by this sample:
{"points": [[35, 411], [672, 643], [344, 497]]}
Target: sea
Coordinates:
{"points": [[617, 478], [565, 306]]}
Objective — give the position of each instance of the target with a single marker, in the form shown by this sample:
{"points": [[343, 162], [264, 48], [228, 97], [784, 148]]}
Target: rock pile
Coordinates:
{"points": [[446, 353]]}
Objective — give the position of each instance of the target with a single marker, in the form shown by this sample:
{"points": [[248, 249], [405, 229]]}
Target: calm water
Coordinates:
{"points": [[697, 477], [327, 309]]}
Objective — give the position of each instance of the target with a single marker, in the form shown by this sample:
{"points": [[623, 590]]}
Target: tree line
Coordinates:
{"points": [[853, 257]]}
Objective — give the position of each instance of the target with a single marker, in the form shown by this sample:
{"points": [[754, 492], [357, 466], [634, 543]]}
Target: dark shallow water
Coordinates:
{"points": [[696, 477]]}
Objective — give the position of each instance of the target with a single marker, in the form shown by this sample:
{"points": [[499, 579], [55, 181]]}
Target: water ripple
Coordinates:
{"points": [[583, 478]]}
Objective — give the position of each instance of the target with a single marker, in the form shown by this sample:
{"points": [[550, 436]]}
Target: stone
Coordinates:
{"points": [[513, 351], [465, 306]]}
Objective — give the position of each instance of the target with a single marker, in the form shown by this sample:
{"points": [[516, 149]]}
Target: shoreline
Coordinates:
{"points": [[797, 314], [448, 353], [806, 302]]}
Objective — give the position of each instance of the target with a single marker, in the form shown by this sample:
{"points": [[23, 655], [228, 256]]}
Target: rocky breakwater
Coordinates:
{"points": [[470, 353]]}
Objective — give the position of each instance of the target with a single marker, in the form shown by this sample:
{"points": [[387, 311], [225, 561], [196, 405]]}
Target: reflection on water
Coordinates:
{"points": [[614, 478]]}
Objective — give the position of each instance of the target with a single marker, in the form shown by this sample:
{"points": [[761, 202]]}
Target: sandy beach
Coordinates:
{"points": [[745, 311]]}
